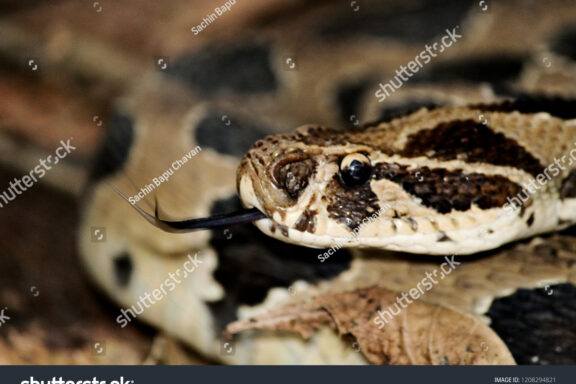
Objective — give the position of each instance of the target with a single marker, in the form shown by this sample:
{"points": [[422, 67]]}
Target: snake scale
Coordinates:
{"points": [[471, 153]]}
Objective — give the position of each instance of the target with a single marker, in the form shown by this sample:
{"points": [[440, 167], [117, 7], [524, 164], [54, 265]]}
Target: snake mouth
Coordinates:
{"points": [[239, 217]]}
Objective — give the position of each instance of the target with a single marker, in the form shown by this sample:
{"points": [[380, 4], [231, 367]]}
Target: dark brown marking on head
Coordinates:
{"points": [[470, 141], [349, 206], [321, 136], [307, 221], [326, 137], [568, 187], [445, 190], [530, 220], [294, 176]]}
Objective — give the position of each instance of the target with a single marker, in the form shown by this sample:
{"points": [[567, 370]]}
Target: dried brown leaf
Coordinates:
{"points": [[422, 333]]}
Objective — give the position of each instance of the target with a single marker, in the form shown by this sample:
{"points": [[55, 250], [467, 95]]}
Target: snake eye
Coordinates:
{"points": [[355, 169]]}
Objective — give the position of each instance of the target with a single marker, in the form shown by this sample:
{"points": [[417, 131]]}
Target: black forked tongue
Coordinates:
{"points": [[238, 217]]}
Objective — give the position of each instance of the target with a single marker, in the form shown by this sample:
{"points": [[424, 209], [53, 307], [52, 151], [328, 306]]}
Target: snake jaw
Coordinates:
{"points": [[246, 187]]}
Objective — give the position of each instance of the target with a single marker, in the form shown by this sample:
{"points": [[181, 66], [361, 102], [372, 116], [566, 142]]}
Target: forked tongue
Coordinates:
{"points": [[239, 217]]}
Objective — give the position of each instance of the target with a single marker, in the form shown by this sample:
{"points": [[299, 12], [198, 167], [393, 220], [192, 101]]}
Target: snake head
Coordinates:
{"points": [[295, 181], [322, 187]]}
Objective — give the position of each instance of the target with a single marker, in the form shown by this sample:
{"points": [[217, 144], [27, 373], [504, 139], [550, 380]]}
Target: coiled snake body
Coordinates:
{"points": [[459, 162]]}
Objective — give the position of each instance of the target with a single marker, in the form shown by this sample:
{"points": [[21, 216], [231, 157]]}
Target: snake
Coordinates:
{"points": [[475, 157]]}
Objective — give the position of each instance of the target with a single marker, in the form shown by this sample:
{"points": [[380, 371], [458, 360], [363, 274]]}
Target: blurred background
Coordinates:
{"points": [[64, 64]]}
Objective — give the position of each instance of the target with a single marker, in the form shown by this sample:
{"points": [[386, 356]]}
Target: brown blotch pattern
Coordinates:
{"points": [[470, 141], [445, 190], [363, 135], [349, 206], [306, 222], [321, 136]]}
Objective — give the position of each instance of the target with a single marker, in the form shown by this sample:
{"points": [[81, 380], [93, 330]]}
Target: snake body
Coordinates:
{"points": [[447, 168]]}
